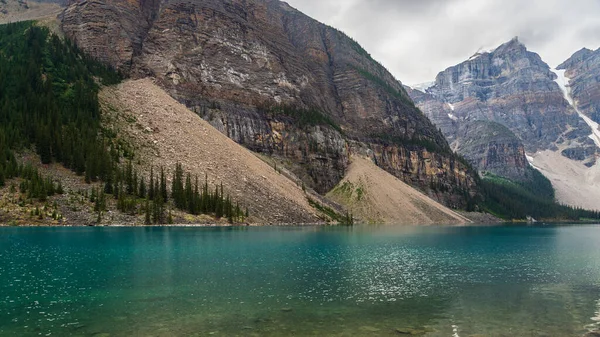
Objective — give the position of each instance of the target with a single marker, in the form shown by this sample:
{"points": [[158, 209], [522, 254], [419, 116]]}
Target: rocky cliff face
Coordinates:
{"points": [[492, 147], [583, 70], [114, 33], [514, 88], [275, 81]]}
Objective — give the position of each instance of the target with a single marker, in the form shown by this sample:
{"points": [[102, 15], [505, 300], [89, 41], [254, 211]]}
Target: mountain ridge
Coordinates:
{"points": [[517, 89], [261, 65]]}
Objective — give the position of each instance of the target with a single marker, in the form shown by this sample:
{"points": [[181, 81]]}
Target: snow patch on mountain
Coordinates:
{"points": [[531, 161], [563, 83]]}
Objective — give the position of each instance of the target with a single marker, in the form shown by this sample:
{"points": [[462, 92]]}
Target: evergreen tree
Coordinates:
{"points": [[148, 219], [177, 189], [108, 185], [170, 218], [142, 191], [189, 194], [135, 183], [129, 178], [163, 185], [151, 190]]}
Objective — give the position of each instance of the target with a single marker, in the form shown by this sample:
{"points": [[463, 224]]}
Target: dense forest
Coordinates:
{"points": [[49, 103], [535, 198]]}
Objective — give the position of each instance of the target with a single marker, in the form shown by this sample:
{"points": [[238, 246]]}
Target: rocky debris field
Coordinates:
{"points": [[162, 132]]}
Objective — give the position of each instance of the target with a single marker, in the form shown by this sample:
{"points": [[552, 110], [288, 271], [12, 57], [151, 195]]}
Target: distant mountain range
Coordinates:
{"points": [[507, 111]]}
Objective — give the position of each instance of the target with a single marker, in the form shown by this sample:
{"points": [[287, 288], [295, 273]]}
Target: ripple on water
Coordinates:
{"points": [[271, 282]]}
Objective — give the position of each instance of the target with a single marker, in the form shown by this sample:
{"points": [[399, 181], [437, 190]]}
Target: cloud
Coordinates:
{"points": [[416, 39]]}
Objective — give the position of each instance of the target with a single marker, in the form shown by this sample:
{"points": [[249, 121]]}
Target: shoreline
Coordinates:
{"points": [[174, 225], [214, 225]]}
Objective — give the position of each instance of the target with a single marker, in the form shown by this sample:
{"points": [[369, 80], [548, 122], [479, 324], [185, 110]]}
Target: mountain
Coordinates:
{"points": [[489, 146], [277, 82], [172, 134], [503, 108], [582, 70]]}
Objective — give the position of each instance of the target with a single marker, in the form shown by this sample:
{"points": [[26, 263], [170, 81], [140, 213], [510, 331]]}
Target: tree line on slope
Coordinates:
{"points": [[535, 197], [154, 200], [49, 101]]}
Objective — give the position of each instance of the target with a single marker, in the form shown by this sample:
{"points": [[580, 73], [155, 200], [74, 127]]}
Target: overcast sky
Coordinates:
{"points": [[416, 39]]}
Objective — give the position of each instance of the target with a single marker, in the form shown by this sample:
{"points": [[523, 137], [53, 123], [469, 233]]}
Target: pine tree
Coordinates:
{"points": [[142, 191], [158, 211], [218, 204], [163, 185], [189, 194], [205, 196], [43, 146], [147, 219], [129, 178], [177, 190], [151, 190], [197, 199], [135, 183]]}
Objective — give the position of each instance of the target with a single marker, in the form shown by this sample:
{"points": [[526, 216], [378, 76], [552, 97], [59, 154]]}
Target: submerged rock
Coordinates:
{"points": [[410, 331], [369, 329], [102, 334]]}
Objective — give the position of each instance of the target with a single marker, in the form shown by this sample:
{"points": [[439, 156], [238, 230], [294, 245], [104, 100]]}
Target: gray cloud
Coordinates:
{"points": [[415, 39]]}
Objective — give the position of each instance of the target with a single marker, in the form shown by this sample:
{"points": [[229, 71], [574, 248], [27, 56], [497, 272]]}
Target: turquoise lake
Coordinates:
{"points": [[312, 281]]}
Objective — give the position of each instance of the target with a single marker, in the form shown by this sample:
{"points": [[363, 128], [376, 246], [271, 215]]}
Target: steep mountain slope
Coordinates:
{"points": [[515, 88], [488, 145], [163, 132], [492, 147], [582, 70], [277, 82], [577, 182], [380, 198]]}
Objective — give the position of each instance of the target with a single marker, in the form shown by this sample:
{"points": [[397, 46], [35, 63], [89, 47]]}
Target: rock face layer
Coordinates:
{"points": [[112, 31], [583, 70], [275, 81], [512, 87], [492, 147]]}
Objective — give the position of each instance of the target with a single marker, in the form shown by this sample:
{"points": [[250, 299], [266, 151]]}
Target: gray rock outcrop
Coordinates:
{"points": [[510, 87]]}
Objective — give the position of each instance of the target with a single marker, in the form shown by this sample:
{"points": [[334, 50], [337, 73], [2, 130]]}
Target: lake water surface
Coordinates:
{"points": [[313, 281]]}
